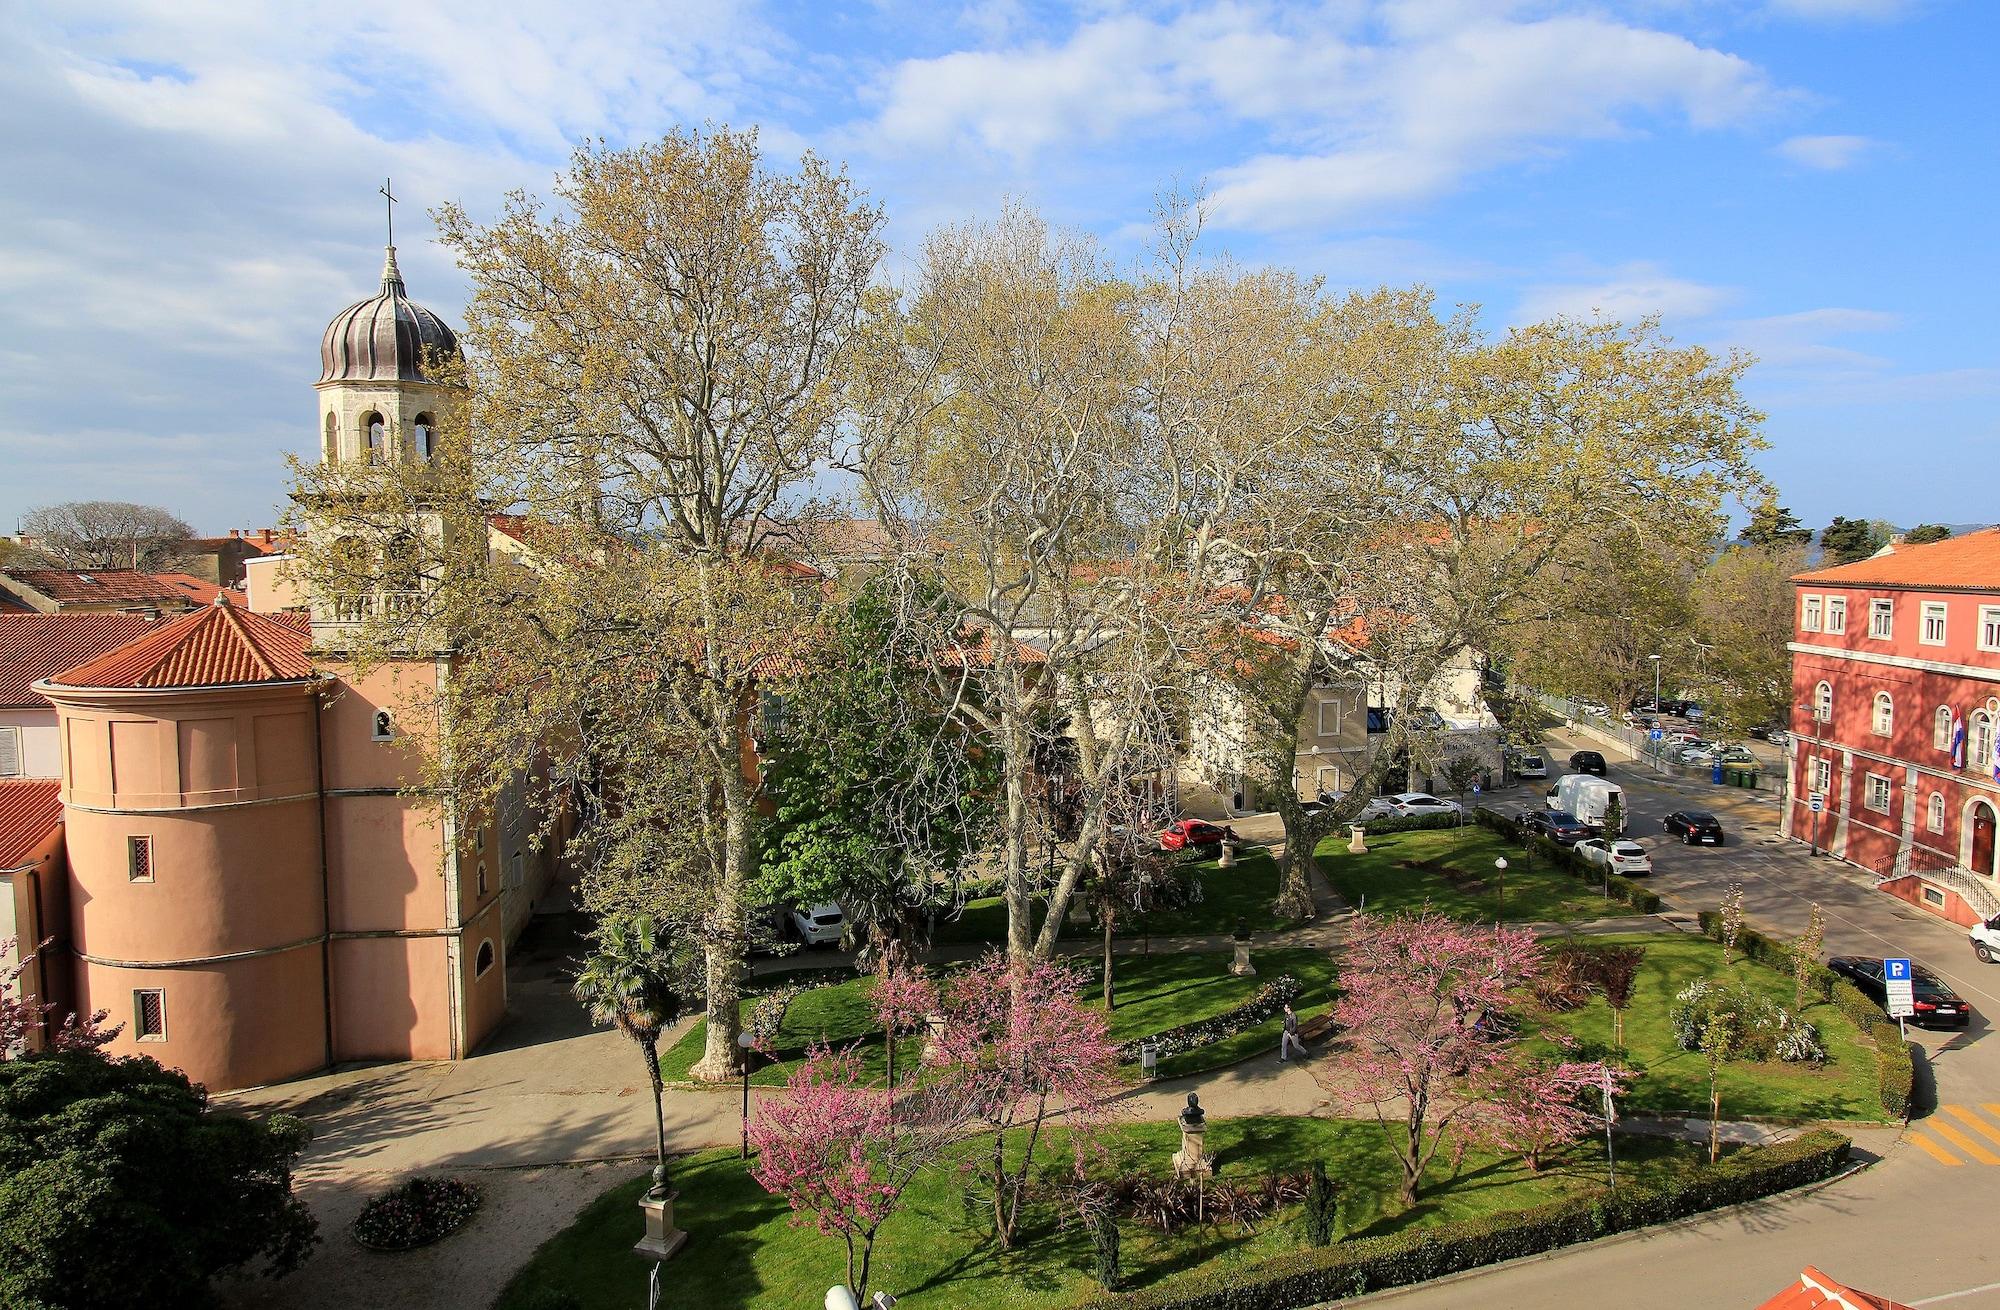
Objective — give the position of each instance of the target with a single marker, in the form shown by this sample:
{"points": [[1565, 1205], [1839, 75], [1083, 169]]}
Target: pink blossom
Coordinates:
{"points": [[1541, 1105]]}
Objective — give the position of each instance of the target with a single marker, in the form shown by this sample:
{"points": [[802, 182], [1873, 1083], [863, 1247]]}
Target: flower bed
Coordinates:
{"points": [[1268, 1000], [416, 1213]]}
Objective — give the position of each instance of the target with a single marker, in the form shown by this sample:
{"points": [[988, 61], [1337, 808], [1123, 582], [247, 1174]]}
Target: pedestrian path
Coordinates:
{"points": [[1958, 1134]]}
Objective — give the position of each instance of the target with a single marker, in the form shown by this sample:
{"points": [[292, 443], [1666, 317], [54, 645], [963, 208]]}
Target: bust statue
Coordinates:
{"points": [[1193, 1117]]}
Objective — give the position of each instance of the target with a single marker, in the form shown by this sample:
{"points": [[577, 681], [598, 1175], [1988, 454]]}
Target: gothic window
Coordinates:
{"points": [[378, 437], [426, 438], [330, 447], [385, 726]]}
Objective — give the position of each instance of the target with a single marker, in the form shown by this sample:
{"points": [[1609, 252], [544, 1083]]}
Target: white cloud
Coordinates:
{"points": [[1829, 153], [1801, 341], [1842, 9], [1631, 292]]}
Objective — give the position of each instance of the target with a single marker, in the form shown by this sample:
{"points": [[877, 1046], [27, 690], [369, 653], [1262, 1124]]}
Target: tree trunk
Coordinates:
{"points": [[1014, 840], [651, 1047], [1295, 899], [1000, 1230], [723, 954], [1105, 914]]}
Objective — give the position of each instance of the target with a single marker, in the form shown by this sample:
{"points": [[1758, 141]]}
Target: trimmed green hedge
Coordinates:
{"points": [[1568, 861], [1895, 1073], [1314, 1274]]}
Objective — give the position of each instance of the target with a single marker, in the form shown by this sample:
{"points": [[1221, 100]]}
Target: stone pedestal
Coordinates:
{"points": [[1192, 1161], [933, 1030], [1357, 841], [662, 1239], [1228, 860], [1241, 965]]}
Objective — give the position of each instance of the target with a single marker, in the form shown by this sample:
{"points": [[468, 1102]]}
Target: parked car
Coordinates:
{"points": [[1935, 1001], [1694, 827], [1589, 762], [1645, 705], [1531, 766], [1626, 858], [1594, 708], [1735, 755], [1559, 826], [1376, 808], [1643, 722], [1693, 712], [1183, 834], [1778, 737], [818, 925], [1762, 731], [1415, 804]]}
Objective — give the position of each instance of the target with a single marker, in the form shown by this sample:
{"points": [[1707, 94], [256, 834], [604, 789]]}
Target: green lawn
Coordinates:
{"points": [[745, 1253], [1673, 1081], [1154, 992], [1248, 892], [1531, 891]]}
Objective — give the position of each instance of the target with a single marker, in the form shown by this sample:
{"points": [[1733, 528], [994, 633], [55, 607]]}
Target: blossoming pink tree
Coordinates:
{"points": [[1423, 1006], [22, 1017], [1542, 1105], [1018, 1046], [843, 1150], [904, 996]]}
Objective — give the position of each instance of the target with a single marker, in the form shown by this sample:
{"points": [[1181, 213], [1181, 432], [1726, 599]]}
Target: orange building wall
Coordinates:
{"points": [[391, 999], [237, 1023]]}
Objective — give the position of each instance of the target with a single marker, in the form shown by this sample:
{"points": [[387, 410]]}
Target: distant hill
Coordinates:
{"points": [[1814, 555]]}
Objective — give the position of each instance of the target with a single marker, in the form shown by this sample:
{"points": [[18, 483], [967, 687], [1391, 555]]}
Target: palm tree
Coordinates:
{"points": [[628, 981]]}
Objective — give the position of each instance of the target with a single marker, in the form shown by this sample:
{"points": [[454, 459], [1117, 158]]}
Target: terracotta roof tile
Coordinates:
{"points": [[1815, 1291], [30, 809], [216, 645], [36, 646], [114, 586], [1969, 562]]}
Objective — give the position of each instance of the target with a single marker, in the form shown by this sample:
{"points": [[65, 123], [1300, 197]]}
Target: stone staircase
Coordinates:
{"points": [[1975, 891]]}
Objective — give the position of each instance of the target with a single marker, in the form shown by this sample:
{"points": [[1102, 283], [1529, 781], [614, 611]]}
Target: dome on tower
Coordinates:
{"points": [[384, 338]]}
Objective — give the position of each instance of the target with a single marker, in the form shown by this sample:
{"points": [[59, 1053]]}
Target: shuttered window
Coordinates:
{"points": [[10, 752], [149, 1015]]}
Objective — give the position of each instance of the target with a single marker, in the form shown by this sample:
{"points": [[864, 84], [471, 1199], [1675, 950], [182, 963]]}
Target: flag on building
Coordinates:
{"points": [[1958, 741]]}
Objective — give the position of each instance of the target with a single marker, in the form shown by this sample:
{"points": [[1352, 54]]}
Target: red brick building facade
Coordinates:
{"points": [[1896, 720]]}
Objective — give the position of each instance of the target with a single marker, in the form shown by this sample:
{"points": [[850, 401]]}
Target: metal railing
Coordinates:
{"points": [[1971, 888]]}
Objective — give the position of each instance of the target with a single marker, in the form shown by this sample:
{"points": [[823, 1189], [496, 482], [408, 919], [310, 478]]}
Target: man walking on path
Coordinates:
{"points": [[1290, 1041]]}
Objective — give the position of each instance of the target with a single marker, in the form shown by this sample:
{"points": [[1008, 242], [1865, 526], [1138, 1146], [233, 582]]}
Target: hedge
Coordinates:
{"points": [[1268, 999], [1895, 1075], [1314, 1274], [1565, 860]]}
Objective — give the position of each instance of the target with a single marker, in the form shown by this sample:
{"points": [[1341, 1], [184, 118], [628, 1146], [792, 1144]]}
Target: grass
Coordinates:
{"points": [[1673, 1081], [1246, 892], [1154, 992], [744, 1253], [1531, 892]]}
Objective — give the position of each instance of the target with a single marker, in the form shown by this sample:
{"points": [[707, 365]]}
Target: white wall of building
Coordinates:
{"points": [[41, 749]]}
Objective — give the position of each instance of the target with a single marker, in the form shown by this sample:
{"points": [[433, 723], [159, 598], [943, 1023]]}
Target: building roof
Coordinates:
{"points": [[30, 811], [35, 646], [1970, 562], [385, 338], [1815, 1290], [218, 645], [73, 587]]}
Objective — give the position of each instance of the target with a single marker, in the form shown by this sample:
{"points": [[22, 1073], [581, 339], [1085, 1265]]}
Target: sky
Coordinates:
{"points": [[192, 186]]}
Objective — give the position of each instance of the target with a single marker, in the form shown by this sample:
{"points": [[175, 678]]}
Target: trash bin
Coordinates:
{"points": [[1715, 775], [1749, 777]]}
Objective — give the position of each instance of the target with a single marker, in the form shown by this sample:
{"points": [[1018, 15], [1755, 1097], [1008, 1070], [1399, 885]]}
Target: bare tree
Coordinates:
{"points": [[107, 534]]}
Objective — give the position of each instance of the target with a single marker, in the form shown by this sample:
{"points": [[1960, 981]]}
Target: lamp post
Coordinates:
{"points": [[748, 1043], [1500, 901], [1656, 712]]}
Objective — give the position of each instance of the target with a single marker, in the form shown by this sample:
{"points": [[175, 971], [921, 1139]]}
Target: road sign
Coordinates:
{"points": [[1896, 977], [1817, 802], [1656, 734]]}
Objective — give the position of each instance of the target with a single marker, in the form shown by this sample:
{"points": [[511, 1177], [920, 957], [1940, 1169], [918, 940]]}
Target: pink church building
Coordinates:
{"points": [[247, 882]]}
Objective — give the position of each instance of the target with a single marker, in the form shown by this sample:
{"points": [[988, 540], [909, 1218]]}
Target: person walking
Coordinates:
{"points": [[1290, 1042]]}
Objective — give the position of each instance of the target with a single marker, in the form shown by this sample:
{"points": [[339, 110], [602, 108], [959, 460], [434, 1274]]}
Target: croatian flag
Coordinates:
{"points": [[1958, 741]]}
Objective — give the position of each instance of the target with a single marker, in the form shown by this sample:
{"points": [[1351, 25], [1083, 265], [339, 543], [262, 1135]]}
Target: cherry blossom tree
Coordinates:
{"points": [[1018, 1046], [22, 1016], [843, 1151], [1541, 1105], [904, 996], [1427, 1045]]}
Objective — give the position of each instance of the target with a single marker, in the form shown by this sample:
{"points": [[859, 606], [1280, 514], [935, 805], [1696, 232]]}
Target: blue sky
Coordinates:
{"points": [[192, 186]]}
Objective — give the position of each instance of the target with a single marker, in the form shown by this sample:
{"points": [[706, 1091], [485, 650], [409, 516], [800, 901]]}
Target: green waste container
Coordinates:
{"points": [[1749, 777]]}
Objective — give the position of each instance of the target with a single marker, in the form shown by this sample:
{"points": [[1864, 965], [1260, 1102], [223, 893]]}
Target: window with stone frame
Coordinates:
{"points": [[1881, 618], [1875, 795]]}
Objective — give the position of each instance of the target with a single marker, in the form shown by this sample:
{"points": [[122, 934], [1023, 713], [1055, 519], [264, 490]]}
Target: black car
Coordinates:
{"points": [[1694, 827], [1559, 826], [1935, 1001], [1589, 762]]}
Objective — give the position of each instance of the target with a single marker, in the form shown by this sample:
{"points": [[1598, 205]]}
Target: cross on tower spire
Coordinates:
{"points": [[389, 196]]}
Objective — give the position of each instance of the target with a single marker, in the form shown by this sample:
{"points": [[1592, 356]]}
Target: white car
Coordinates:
{"points": [[1531, 766], [1414, 804], [1626, 858], [1378, 807], [1597, 709], [820, 925]]}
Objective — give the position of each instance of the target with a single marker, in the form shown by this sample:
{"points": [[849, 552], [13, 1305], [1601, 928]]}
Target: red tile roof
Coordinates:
{"points": [[115, 586], [1969, 562], [36, 646], [30, 810], [1815, 1290], [215, 646]]}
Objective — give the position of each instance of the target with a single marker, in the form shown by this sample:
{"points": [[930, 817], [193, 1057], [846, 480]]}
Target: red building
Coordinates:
{"points": [[1896, 717]]}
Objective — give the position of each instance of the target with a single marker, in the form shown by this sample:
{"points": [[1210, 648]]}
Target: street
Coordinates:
{"points": [[1906, 1227]]}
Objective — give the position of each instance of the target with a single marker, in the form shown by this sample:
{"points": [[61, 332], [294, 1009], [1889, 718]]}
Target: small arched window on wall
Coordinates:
{"points": [[426, 438], [1935, 818], [401, 569], [1979, 741], [330, 445], [376, 433], [385, 726], [1823, 702], [1885, 714], [484, 960], [1941, 728]]}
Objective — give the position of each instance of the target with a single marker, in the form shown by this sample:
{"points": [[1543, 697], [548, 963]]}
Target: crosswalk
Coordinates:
{"points": [[1956, 1135]]}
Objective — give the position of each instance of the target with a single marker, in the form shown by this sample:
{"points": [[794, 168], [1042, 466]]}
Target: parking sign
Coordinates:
{"points": [[1900, 998], [1817, 802]]}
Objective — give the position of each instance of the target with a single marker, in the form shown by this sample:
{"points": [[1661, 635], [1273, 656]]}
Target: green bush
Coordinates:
{"points": [[1565, 860], [1895, 1072], [1413, 823], [1315, 1274]]}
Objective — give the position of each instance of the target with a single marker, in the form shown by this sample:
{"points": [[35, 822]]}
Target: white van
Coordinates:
{"points": [[1589, 799]]}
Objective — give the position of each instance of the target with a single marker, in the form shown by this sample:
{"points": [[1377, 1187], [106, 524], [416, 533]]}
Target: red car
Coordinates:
{"points": [[1183, 833]]}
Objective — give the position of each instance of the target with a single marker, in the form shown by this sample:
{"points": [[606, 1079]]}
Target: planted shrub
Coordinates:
{"points": [[1266, 1001], [1103, 1229], [1764, 1029], [416, 1213], [1322, 1205]]}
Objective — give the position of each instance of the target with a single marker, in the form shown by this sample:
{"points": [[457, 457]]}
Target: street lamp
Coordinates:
{"points": [[1500, 901], [1656, 712], [748, 1043]]}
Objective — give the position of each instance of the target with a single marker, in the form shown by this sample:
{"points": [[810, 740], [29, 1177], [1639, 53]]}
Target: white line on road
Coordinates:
{"points": [[1953, 1296]]}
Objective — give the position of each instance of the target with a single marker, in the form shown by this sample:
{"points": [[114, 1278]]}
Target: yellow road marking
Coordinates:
{"points": [[1935, 1151], [1963, 1142], [1974, 1122]]}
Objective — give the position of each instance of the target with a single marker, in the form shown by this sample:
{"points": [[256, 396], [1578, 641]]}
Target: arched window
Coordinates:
{"points": [[426, 438], [385, 726], [330, 445], [1941, 728], [401, 569], [1936, 815], [1823, 702], [1979, 741], [377, 433], [484, 960], [1885, 714]]}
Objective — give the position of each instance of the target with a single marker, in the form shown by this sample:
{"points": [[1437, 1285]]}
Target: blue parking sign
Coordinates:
{"points": [[1896, 970], [1656, 734]]}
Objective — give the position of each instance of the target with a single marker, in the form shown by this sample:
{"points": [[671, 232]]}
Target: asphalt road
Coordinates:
{"points": [[1909, 1226]]}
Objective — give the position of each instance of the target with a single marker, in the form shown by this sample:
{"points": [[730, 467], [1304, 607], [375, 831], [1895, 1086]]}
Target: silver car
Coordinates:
{"points": [[820, 925]]}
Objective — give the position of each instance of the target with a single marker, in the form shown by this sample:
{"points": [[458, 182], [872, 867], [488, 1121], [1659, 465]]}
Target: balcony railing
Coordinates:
{"points": [[384, 604]]}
